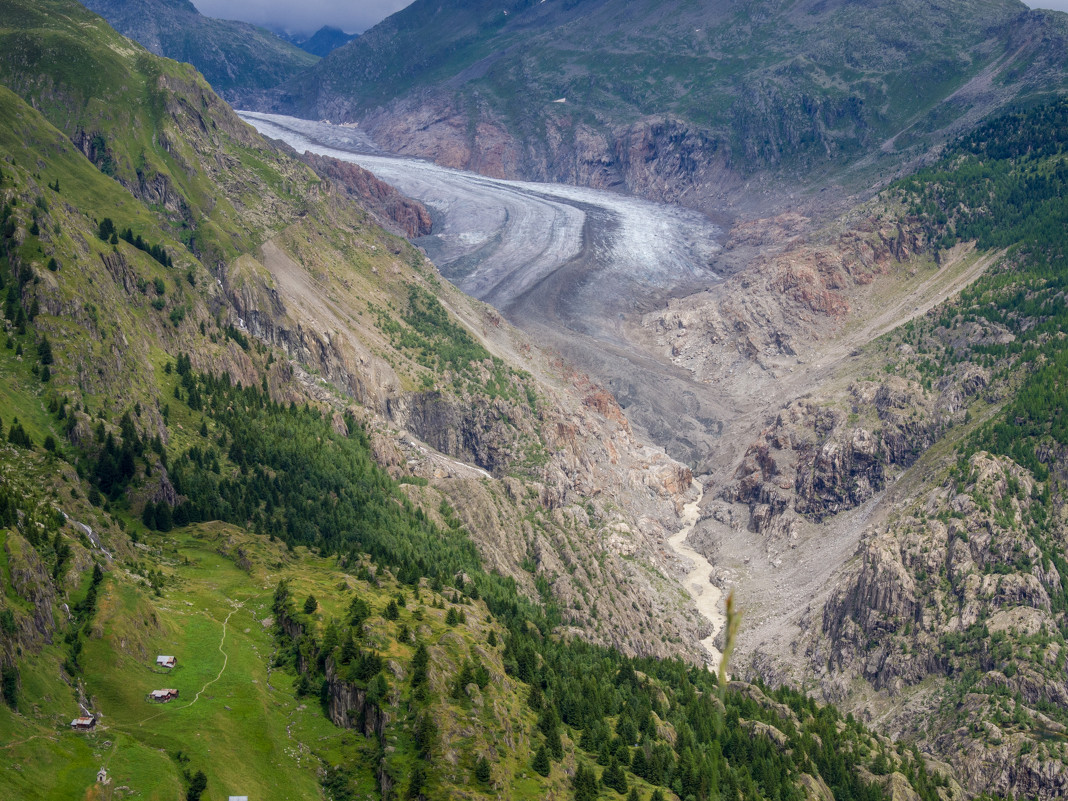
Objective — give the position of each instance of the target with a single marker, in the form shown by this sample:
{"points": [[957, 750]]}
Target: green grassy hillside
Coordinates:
{"points": [[170, 483]]}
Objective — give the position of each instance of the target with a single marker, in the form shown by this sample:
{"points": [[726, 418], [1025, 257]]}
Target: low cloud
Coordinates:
{"points": [[1056, 5], [306, 16], [354, 16]]}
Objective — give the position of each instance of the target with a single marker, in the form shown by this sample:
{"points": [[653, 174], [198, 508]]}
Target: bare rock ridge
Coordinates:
{"points": [[710, 105]]}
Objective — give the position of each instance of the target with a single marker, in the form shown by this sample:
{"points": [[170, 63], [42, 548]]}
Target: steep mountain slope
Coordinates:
{"points": [[682, 101], [292, 263], [894, 517], [826, 524], [206, 351], [235, 57]]}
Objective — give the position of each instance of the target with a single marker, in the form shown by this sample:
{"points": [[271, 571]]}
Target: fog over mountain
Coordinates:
{"points": [[357, 17], [305, 17]]}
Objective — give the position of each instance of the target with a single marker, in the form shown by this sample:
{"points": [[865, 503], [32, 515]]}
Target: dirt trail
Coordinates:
{"points": [[226, 659]]}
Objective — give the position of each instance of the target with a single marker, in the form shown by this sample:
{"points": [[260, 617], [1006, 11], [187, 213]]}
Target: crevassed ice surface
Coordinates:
{"points": [[498, 239]]}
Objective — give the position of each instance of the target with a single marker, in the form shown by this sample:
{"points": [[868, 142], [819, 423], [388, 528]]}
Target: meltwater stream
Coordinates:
{"points": [[569, 265]]}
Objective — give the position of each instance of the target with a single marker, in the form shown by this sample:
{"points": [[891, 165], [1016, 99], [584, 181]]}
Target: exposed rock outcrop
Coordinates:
{"points": [[394, 211], [662, 158], [348, 707], [954, 591], [33, 584], [791, 293]]}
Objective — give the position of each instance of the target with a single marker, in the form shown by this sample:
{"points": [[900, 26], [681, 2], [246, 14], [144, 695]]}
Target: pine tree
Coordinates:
{"points": [[310, 605], [639, 764], [349, 651], [416, 782], [555, 745], [148, 516], [614, 777], [426, 732], [419, 665], [584, 784], [197, 784], [541, 764], [164, 519], [9, 683], [482, 770], [534, 699], [359, 611]]}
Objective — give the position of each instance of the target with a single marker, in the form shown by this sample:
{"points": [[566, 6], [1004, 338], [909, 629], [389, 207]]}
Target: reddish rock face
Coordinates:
{"points": [[602, 402], [407, 216]]}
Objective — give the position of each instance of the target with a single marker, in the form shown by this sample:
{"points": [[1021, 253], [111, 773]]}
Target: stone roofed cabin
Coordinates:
{"points": [[84, 724], [166, 661], [163, 696]]}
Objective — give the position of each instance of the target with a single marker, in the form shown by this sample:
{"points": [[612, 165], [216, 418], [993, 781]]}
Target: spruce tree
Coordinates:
{"points": [[541, 764], [584, 784], [614, 777]]}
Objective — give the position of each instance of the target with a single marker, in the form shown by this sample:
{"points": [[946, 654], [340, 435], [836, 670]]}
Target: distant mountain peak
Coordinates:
{"points": [[324, 41]]}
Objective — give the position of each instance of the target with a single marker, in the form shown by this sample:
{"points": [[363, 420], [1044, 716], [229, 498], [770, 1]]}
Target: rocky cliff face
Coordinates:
{"points": [[348, 708], [391, 209], [955, 592], [658, 157], [817, 461], [33, 584], [785, 292]]}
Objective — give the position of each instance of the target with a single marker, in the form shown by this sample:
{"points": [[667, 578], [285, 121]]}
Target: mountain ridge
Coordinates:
{"points": [[679, 104], [203, 340], [235, 57]]}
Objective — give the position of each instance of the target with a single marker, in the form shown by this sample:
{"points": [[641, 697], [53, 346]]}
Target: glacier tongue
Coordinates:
{"points": [[570, 265]]}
